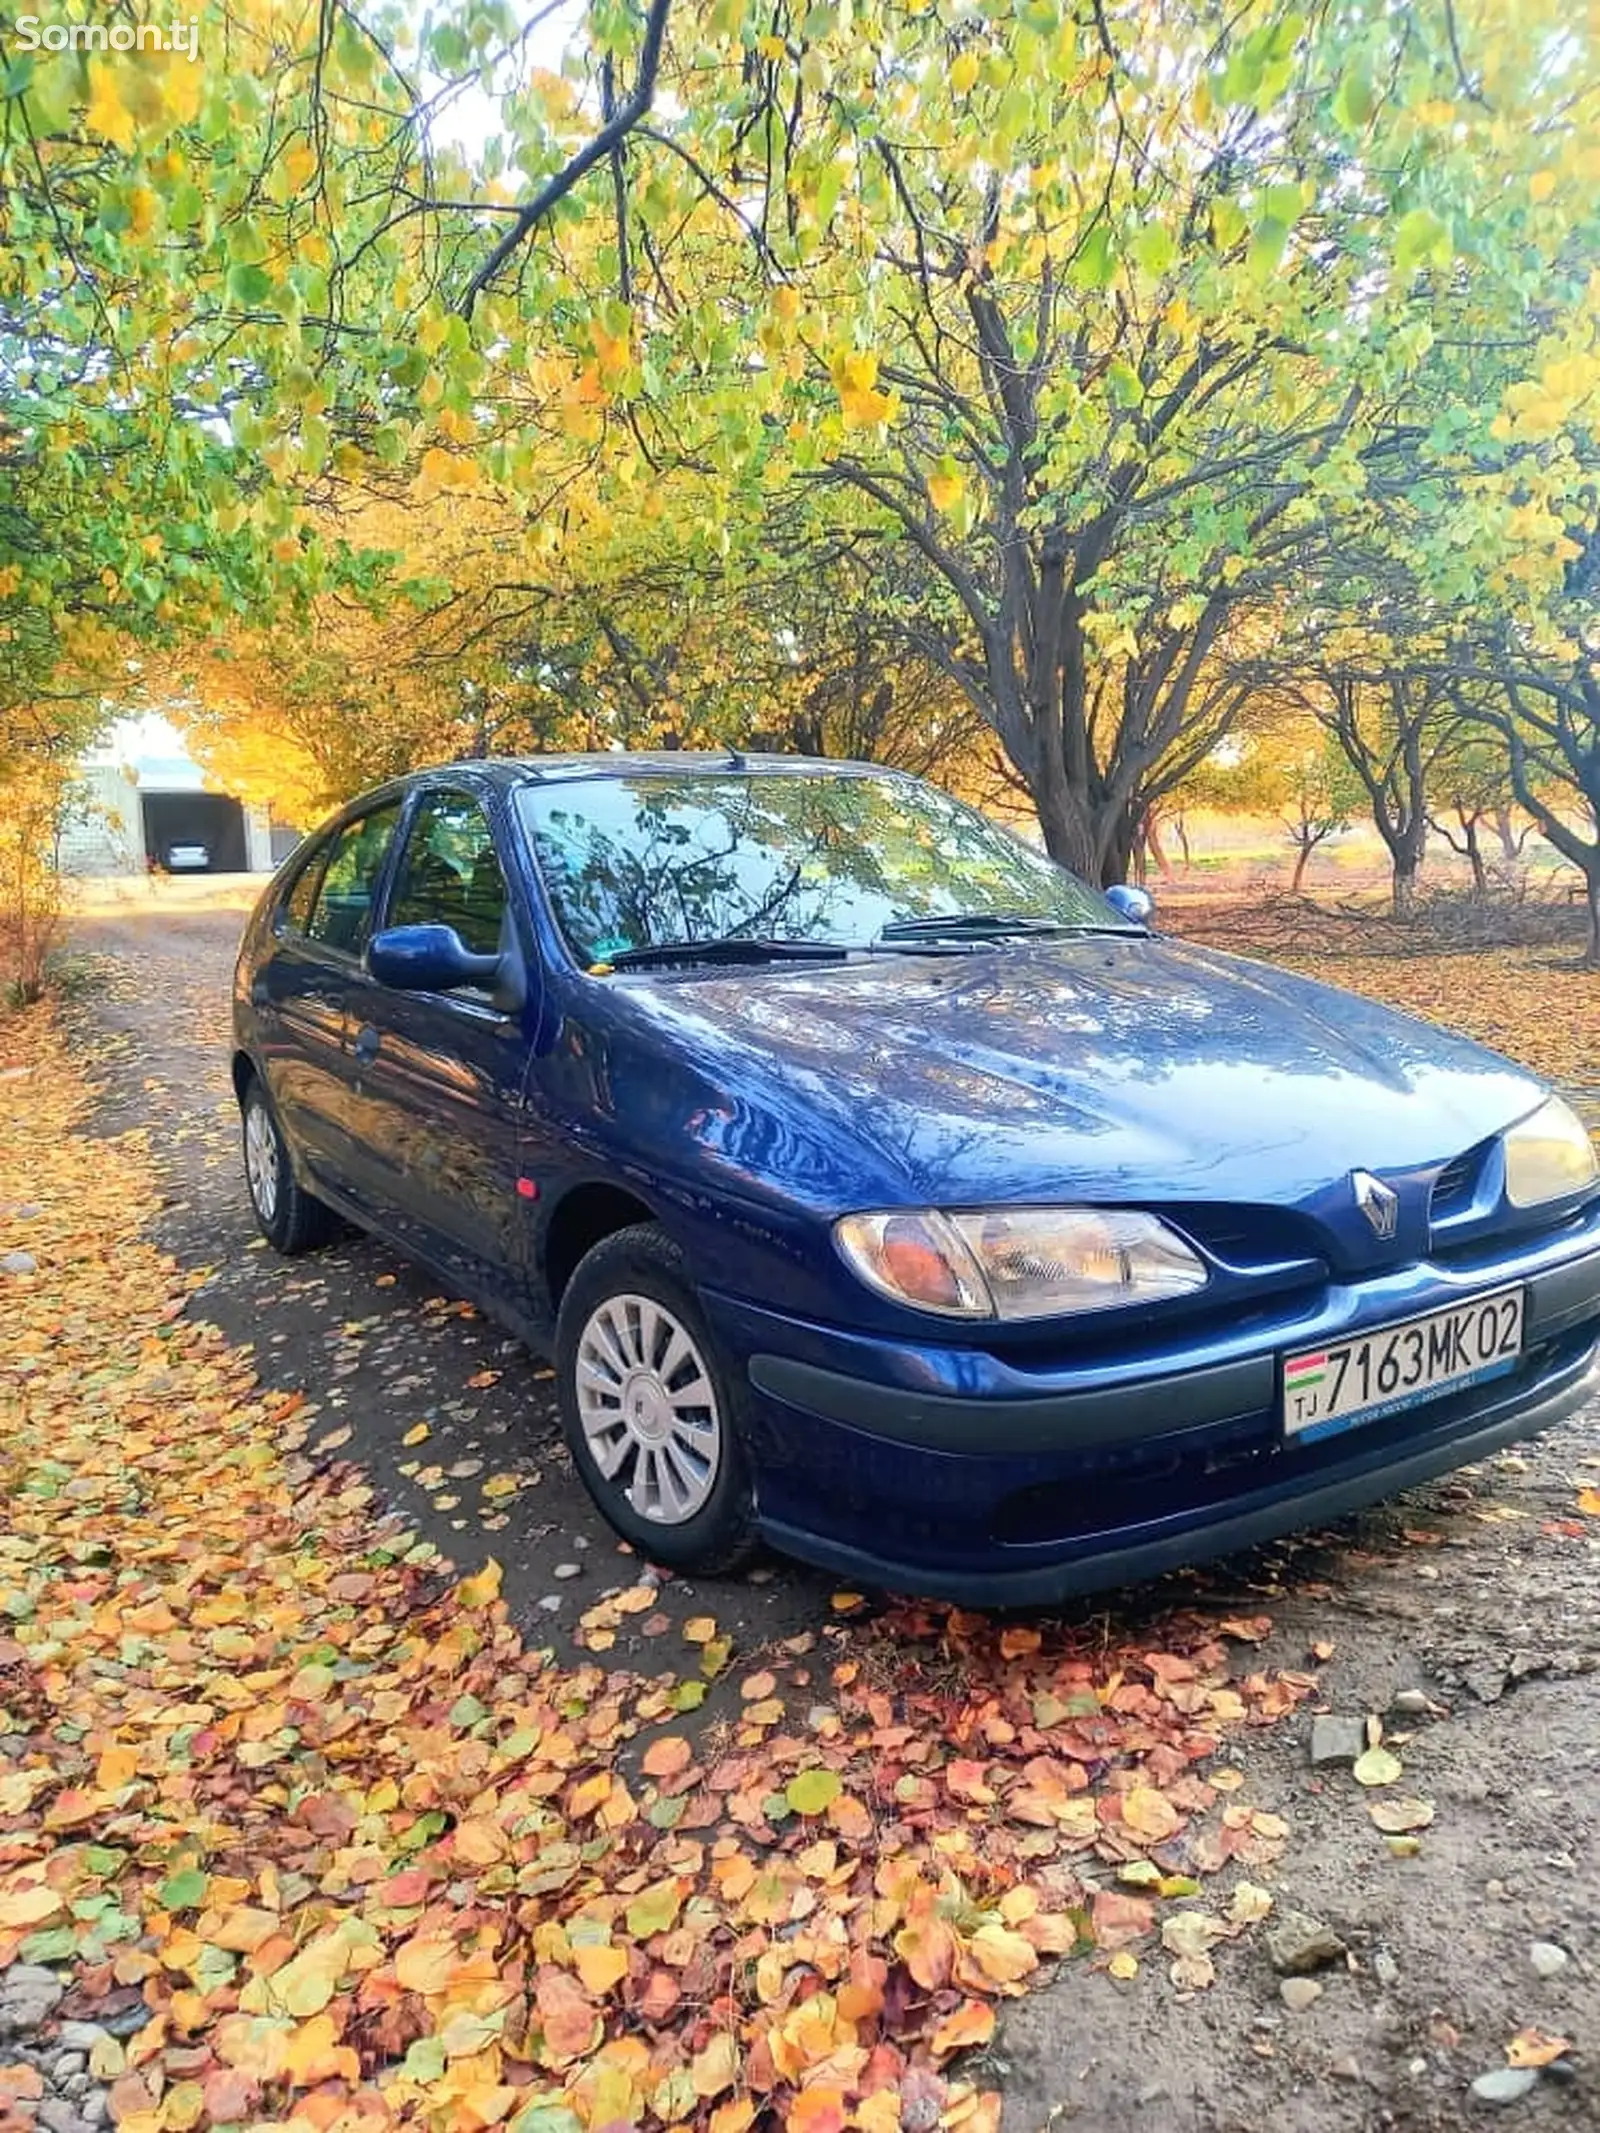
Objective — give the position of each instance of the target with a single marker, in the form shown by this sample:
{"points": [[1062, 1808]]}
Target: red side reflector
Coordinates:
{"points": [[527, 1189]]}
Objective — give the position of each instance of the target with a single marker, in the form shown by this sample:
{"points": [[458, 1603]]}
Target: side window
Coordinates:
{"points": [[343, 909], [450, 875], [294, 914]]}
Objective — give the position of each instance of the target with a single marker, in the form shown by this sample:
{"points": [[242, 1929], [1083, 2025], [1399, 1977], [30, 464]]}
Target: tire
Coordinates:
{"points": [[644, 1394], [290, 1219]]}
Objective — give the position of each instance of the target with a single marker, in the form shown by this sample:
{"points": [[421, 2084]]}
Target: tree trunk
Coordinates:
{"points": [[1302, 859], [1592, 884], [1480, 873], [1068, 837], [1405, 889], [1509, 849], [1182, 827]]}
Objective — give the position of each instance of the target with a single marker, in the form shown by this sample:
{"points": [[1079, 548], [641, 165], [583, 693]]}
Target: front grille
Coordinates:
{"points": [[1244, 1236], [1454, 1186]]}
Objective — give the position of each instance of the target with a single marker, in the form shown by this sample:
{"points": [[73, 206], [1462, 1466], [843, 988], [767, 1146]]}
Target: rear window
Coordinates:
{"points": [[294, 913], [342, 915]]}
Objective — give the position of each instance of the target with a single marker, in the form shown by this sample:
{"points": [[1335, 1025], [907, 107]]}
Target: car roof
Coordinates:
{"points": [[662, 762]]}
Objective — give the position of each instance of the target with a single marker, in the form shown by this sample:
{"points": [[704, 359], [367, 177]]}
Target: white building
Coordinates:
{"points": [[146, 807]]}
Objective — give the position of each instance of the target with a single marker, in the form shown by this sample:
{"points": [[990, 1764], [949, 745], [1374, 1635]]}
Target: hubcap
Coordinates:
{"points": [[648, 1409], [261, 1160]]}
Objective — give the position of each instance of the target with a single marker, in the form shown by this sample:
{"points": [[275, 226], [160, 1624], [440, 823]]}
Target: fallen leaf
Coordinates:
{"points": [[1395, 1816], [1377, 1766], [1536, 2047]]}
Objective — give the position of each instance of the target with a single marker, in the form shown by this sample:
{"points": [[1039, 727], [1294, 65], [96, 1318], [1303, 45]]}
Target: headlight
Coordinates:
{"points": [[1548, 1156], [1019, 1262]]}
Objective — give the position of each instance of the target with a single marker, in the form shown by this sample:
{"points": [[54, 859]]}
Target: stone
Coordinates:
{"points": [[567, 1570], [58, 2116], [27, 1211], [1153, 2092], [1337, 1739], [27, 1998], [1505, 2084], [1385, 1969], [96, 2109], [18, 1263], [81, 2036], [1547, 1959], [1299, 1993], [1297, 1943], [64, 2065], [1415, 1703], [1346, 2069], [550, 1602]]}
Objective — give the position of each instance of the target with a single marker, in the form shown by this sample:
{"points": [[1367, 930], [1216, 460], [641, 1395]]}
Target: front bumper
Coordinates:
{"points": [[991, 1479]]}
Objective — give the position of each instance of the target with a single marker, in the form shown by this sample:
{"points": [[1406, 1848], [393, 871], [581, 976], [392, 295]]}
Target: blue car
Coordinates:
{"points": [[886, 1193]]}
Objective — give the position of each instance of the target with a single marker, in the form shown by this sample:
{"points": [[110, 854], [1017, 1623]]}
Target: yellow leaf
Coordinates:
{"points": [[107, 114], [29, 1905], [964, 72], [713, 2070], [299, 164], [699, 1629], [427, 1964], [1377, 1767], [480, 1590], [1542, 184], [1124, 1964], [945, 485], [1589, 1502], [418, 1433], [600, 1967], [118, 1766]]}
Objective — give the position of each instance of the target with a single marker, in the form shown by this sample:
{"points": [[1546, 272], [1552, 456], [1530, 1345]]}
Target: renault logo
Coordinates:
{"points": [[1376, 1201]]}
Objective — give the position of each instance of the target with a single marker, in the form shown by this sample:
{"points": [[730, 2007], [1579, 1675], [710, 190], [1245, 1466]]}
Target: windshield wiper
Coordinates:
{"points": [[732, 948], [980, 922]]}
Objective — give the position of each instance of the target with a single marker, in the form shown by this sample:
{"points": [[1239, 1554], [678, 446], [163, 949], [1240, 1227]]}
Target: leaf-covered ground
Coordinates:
{"points": [[353, 1855]]}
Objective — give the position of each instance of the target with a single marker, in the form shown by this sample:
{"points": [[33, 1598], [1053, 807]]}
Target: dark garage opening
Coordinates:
{"points": [[179, 819]]}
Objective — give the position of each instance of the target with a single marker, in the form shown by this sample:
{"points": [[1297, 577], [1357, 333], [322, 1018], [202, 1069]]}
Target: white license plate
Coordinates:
{"points": [[1378, 1373]]}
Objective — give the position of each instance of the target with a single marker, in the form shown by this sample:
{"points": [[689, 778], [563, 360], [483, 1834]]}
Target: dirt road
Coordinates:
{"points": [[1466, 1617]]}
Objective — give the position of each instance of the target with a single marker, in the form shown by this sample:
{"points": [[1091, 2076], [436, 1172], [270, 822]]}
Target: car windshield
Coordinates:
{"points": [[643, 860]]}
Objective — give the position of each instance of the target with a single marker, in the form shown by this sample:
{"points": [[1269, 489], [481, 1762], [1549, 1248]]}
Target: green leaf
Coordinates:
{"points": [[655, 1910], [250, 287], [425, 2060], [1155, 248], [184, 1890], [1353, 101], [1421, 239], [1096, 261], [812, 1791]]}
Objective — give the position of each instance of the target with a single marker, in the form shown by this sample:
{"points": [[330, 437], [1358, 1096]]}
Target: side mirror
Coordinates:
{"points": [[428, 959], [1136, 905]]}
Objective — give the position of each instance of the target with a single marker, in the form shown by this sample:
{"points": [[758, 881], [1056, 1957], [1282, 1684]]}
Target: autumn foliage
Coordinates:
{"points": [[356, 1857]]}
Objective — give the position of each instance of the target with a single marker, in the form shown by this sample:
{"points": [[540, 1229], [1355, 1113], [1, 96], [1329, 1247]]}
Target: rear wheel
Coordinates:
{"points": [[650, 1414], [286, 1214]]}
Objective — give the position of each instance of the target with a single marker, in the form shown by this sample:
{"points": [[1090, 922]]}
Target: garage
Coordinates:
{"points": [[193, 832]]}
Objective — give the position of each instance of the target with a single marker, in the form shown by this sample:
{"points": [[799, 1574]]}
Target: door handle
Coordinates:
{"points": [[366, 1045]]}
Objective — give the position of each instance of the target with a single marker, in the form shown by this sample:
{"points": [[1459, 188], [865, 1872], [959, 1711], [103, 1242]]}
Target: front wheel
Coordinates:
{"points": [[286, 1214], [649, 1412]]}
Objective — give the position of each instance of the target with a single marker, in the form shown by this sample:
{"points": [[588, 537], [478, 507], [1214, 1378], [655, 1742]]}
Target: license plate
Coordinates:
{"points": [[1379, 1373]]}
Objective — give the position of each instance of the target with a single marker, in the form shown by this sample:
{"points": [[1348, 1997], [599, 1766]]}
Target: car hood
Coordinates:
{"points": [[1135, 1069]]}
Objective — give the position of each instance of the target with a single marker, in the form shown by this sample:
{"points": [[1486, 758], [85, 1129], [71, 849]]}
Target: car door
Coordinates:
{"points": [[440, 1076], [300, 992]]}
